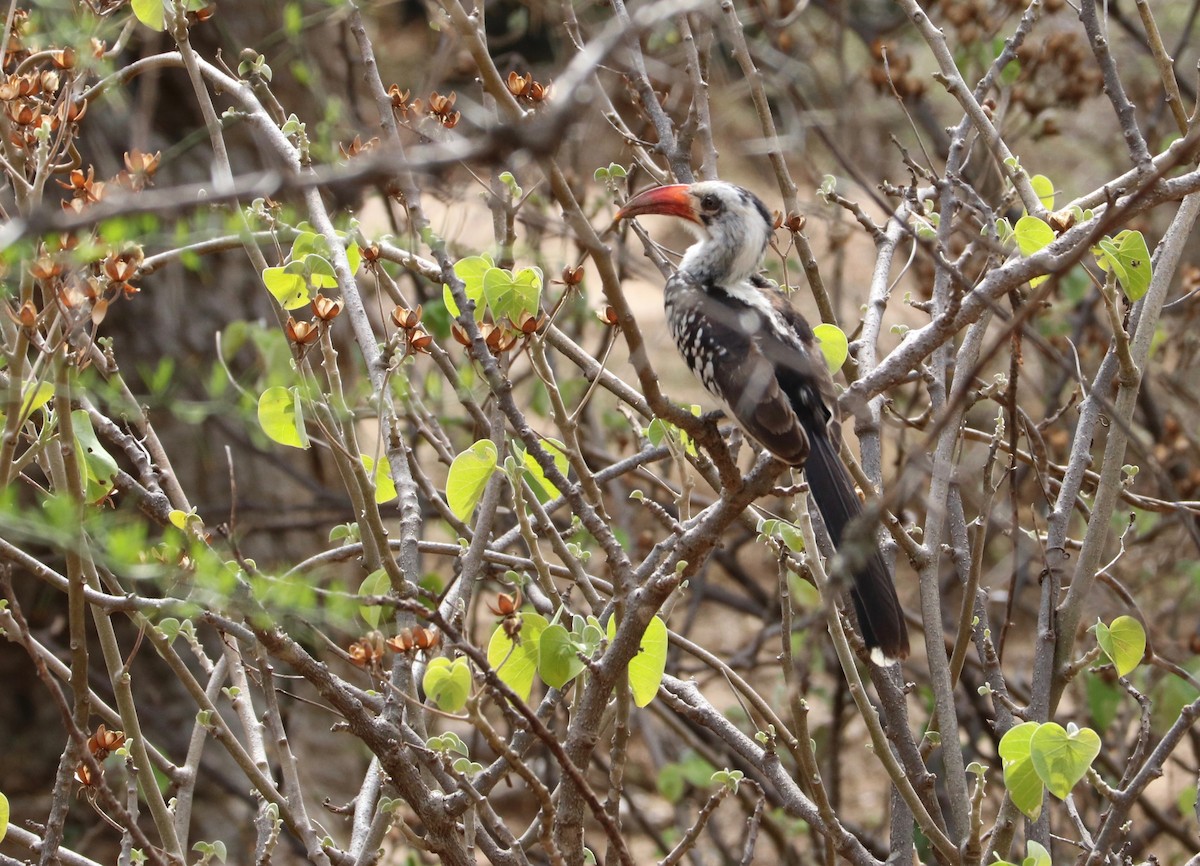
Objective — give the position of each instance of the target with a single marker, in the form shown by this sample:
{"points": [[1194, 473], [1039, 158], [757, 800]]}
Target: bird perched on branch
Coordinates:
{"points": [[760, 357]]}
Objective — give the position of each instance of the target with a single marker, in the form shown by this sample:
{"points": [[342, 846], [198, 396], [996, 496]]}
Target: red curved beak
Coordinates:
{"points": [[673, 200]]}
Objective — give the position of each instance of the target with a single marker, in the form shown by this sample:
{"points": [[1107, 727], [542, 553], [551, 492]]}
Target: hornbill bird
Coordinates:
{"points": [[760, 358]]}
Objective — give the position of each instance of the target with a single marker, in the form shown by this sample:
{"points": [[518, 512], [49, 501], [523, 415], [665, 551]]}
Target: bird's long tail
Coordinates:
{"points": [[880, 617]]}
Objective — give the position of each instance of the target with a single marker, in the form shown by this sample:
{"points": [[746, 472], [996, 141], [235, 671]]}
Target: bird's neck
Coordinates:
{"points": [[723, 261]]}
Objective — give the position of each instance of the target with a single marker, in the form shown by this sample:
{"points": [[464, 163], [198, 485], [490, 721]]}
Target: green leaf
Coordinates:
{"points": [[1020, 778], [1036, 855], [558, 657], [509, 295], [4, 813], [1061, 757], [381, 476], [290, 289], [1044, 188], [658, 431], [1124, 642], [541, 485], [33, 397], [647, 667], [1033, 235], [469, 474], [281, 417], [99, 467], [1129, 258], [516, 662], [514, 189], [353, 257], [834, 345], [375, 583], [448, 683], [1004, 231], [448, 742], [320, 272], [150, 13], [470, 270]]}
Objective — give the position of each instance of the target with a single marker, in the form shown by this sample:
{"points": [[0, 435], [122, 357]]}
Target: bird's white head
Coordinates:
{"points": [[732, 224]]}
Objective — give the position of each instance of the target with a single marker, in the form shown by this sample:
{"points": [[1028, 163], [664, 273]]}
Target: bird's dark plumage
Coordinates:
{"points": [[754, 352]]}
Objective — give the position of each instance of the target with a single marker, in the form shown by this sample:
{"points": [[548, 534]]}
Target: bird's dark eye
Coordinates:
{"points": [[710, 202]]}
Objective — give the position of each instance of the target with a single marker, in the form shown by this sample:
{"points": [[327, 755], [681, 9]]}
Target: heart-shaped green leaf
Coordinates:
{"points": [[542, 488], [516, 661], [1036, 855], [1020, 777], [33, 397], [282, 417], [1124, 642], [99, 467], [1033, 235], [381, 476], [834, 345], [558, 657], [320, 271], [1062, 757], [448, 683], [469, 474], [509, 295], [150, 13], [647, 667], [374, 584], [1043, 187], [470, 270], [289, 288], [1128, 257]]}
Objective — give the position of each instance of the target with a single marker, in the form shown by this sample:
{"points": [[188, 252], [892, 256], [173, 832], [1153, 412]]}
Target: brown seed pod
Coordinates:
{"points": [[301, 333], [506, 604], [407, 319], [326, 309]]}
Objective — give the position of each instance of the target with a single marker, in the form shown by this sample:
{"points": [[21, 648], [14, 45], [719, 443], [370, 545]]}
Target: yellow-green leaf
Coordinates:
{"points": [[509, 295], [320, 271], [1062, 757], [98, 466], [1044, 188], [558, 657], [469, 474], [1033, 235], [516, 661], [1134, 255], [374, 584], [290, 289], [1036, 854], [150, 12], [34, 397], [834, 345], [541, 485], [381, 476], [353, 257], [647, 667], [470, 270], [282, 417], [1124, 642], [1020, 777], [448, 683], [3, 817]]}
